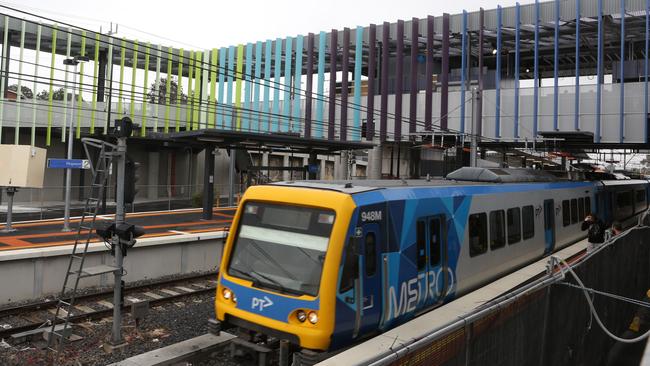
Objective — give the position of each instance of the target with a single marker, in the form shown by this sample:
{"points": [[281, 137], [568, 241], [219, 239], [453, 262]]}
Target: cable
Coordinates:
{"points": [[593, 309], [360, 107]]}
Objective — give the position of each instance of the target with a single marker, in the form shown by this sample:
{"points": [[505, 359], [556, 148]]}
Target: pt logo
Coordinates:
{"points": [[261, 303]]}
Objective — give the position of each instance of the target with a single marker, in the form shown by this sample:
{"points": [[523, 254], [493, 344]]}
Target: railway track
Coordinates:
{"points": [[97, 305]]}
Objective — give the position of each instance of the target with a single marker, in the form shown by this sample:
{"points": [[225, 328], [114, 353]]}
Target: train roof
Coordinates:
{"points": [[465, 176]]}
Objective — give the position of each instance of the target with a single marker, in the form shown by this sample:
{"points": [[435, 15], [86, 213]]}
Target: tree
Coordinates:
{"points": [[56, 95], [157, 94], [27, 93]]}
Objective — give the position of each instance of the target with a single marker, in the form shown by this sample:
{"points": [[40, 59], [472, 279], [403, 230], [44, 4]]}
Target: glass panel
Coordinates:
{"points": [[528, 222], [514, 225], [497, 229], [477, 228], [435, 241], [566, 213], [371, 254]]}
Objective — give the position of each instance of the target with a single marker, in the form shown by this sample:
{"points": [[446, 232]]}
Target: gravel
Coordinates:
{"points": [[164, 325]]}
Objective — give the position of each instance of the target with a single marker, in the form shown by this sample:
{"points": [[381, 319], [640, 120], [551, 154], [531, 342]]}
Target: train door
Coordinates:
{"points": [[437, 258], [370, 279], [549, 225]]}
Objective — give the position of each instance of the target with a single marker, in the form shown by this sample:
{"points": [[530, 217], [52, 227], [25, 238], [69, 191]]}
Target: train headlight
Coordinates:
{"points": [[227, 294], [313, 317], [301, 315]]}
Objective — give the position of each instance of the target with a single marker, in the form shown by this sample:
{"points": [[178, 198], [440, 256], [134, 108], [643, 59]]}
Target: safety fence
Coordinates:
{"points": [[549, 321], [48, 202]]}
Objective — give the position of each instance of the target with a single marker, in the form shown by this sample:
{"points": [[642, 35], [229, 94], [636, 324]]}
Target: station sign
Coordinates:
{"points": [[68, 163]]}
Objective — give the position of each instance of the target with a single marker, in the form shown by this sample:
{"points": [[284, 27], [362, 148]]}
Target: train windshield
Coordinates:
{"points": [[282, 247]]}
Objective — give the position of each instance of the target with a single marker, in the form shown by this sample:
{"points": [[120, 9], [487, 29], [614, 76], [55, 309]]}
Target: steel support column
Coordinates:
{"points": [[536, 71], [372, 77], [345, 65], [599, 69], [332, 95], [399, 80], [383, 75], [413, 76], [428, 87], [556, 66], [497, 78], [479, 108], [358, 64], [310, 83], [576, 114], [517, 66], [463, 71], [320, 93], [621, 113], [208, 182], [645, 67], [444, 73]]}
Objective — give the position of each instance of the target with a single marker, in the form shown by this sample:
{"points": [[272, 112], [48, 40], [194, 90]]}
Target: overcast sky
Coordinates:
{"points": [[203, 24]]}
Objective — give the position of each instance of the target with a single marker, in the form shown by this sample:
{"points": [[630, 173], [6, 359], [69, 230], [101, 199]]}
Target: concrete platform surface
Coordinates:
{"points": [[178, 352], [47, 233]]}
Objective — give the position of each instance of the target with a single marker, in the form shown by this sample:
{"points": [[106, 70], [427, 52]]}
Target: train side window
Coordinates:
{"points": [[514, 225], [574, 211], [477, 228], [370, 254], [528, 221], [581, 208], [349, 273], [497, 229], [435, 241], [587, 206], [421, 241], [566, 213]]}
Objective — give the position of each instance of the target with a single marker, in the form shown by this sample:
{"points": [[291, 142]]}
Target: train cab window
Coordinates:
{"points": [[477, 228], [587, 206], [497, 229], [566, 213], [370, 252], [514, 225], [421, 242], [574, 211], [435, 240], [581, 208], [528, 221], [641, 203], [350, 268]]}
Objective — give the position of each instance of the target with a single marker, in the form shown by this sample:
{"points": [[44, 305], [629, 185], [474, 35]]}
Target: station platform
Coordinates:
{"points": [[47, 233]]}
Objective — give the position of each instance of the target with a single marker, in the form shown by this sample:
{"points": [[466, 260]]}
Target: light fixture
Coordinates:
{"points": [[227, 294], [527, 70], [494, 51], [301, 316], [313, 317]]}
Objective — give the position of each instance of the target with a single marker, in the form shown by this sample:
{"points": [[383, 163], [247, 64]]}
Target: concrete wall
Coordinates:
{"points": [[34, 273]]}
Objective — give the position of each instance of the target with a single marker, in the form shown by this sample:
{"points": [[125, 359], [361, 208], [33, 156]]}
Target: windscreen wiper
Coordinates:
{"points": [[240, 273], [274, 284]]}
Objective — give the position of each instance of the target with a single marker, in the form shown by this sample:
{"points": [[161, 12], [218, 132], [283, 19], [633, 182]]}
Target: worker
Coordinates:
{"points": [[613, 231], [595, 233]]}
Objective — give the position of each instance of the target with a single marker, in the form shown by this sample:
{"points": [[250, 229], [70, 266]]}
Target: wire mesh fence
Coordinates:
{"points": [[554, 325]]}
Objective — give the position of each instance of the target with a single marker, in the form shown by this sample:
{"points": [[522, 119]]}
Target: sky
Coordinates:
{"points": [[208, 24]]}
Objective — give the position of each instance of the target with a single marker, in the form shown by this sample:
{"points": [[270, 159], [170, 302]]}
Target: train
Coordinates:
{"points": [[324, 265]]}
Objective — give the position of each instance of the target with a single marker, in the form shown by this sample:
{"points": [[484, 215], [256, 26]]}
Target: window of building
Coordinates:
{"points": [[497, 229], [371, 254], [421, 242], [528, 221], [566, 213], [514, 225], [574, 211], [435, 240], [477, 228]]}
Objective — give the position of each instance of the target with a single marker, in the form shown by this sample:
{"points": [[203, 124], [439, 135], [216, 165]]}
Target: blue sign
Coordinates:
{"points": [[68, 163]]}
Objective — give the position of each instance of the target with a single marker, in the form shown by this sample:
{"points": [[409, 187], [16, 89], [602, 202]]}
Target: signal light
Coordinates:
{"points": [[227, 294], [105, 230]]}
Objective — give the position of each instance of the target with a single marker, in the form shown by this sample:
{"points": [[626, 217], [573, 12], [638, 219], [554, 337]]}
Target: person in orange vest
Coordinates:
{"points": [[631, 353]]}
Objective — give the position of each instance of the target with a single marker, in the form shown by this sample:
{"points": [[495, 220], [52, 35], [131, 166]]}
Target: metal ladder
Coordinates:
{"points": [[85, 233]]}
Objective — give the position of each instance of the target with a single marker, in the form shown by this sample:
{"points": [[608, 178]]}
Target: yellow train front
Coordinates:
{"points": [[281, 261]]}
